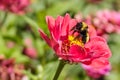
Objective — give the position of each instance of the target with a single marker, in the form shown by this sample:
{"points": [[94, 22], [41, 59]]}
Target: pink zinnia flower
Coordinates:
{"points": [[15, 6], [67, 48], [96, 73], [10, 44], [106, 22], [9, 70], [29, 50]]}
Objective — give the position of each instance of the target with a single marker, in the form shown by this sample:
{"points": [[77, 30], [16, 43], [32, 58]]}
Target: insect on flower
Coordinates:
{"points": [[70, 41], [82, 29]]}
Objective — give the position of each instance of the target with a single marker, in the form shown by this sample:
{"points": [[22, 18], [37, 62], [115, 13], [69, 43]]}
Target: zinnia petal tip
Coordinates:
{"points": [[45, 37]]}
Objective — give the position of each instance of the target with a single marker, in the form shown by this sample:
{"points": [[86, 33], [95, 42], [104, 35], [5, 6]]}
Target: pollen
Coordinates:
{"points": [[71, 41], [74, 41]]}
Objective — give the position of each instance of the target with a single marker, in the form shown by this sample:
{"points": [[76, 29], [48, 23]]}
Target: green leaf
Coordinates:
{"points": [[62, 7], [32, 24]]}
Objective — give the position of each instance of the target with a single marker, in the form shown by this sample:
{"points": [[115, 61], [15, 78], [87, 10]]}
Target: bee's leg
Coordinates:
{"points": [[73, 28], [78, 36], [74, 31]]}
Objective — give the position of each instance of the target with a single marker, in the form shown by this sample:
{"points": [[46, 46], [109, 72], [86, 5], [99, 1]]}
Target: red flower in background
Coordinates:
{"points": [[104, 21], [74, 50], [15, 6], [9, 70], [97, 73], [107, 21], [29, 50]]}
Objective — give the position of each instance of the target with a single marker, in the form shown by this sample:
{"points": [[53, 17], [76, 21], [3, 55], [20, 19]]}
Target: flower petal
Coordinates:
{"points": [[99, 63], [98, 47], [57, 28], [91, 31], [77, 53], [51, 22], [45, 37], [65, 24], [96, 73]]}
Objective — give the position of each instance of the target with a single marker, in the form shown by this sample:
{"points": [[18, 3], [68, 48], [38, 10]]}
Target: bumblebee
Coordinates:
{"points": [[82, 29]]}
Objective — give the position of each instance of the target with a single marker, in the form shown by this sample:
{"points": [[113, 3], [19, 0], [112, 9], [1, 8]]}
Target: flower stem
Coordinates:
{"points": [[59, 70]]}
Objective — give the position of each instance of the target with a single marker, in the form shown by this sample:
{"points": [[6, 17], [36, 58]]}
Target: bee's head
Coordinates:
{"points": [[84, 26]]}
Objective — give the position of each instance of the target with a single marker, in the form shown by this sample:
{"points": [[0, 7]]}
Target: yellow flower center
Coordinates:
{"points": [[76, 41], [71, 41]]}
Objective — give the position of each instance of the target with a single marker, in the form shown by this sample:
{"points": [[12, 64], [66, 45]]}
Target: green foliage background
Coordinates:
{"points": [[43, 68]]}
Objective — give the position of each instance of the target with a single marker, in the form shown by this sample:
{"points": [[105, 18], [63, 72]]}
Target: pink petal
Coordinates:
{"points": [[51, 22], [57, 28], [72, 23], [56, 49], [91, 31], [97, 72], [98, 47], [99, 63], [77, 53], [97, 38], [45, 37], [65, 25]]}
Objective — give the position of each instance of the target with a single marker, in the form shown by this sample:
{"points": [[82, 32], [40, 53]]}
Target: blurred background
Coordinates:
{"points": [[25, 56]]}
